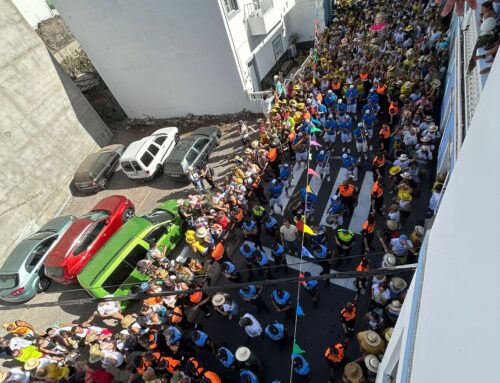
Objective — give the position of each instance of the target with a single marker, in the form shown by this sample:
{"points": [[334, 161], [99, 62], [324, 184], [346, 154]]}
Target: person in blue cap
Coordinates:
{"points": [[263, 263], [229, 272], [301, 367], [282, 302], [278, 253], [276, 189], [271, 225], [247, 376], [226, 357], [252, 294], [323, 255], [312, 287], [247, 250], [202, 341], [286, 177], [276, 332]]}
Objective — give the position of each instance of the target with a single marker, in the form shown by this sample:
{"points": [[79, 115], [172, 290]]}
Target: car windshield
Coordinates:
{"points": [[124, 269], [158, 215], [96, 215], [8, 281]]}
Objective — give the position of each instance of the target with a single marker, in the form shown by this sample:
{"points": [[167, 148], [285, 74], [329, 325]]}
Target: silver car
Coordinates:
{"points": [[22, 275]]}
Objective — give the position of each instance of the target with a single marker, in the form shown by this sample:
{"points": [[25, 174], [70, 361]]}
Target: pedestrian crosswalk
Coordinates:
{"points": [[364, 204], [342, 175], [296, 174]]}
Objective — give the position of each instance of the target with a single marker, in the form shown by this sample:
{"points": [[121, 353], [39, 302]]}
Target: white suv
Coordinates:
{"points": [[144, 159]]}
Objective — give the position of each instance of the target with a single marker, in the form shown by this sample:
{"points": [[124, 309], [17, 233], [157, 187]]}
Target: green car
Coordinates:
{"points": [[112, 271]]}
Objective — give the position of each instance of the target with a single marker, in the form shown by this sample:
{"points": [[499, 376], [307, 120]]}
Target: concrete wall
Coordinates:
{"points": [[46, 128], [34, 11], [159, 58], [265, 55], [301, 19]]}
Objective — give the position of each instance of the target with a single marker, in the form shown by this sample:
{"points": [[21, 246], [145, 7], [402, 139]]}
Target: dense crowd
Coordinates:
{"points": [[369, 97]]}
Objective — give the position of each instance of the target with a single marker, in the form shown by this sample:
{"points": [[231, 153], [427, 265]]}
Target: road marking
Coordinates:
{"points": [[340, 178], [313, 268], [364, 204], [297, 173]]}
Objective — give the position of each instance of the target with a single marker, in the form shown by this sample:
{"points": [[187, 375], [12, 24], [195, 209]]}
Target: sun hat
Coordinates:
{"points": [[392, 224], [428, 118], [406, 175], [242, 354], [388, 333], [389, 261], [201, 232], [403, 157], [127, 321], [425, 139], [293, 103], [419, 230], [296, 87], [95, 354], [394, 306], [238, 158], [372, 362], [255, 144], [31, 364], [433, 128], [218, 299], [353, 372], [394, 170], [398, 284], [248, 151], [90, 337], [372, 338], [301, 105], [161, 273]]}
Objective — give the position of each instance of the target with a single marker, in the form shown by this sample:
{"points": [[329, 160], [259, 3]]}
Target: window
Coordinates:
{"points": [[158, 216], [277, 47], [200, 144], [153, 149], [136, 166], [8, 281], [160, 140], [124, 269], [146, 159], [155, 235], [89, 237], [96, 215], [38, 253], [127, 166], [191, 157], [230, 5]]}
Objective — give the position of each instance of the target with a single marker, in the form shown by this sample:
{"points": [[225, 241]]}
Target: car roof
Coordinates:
{"points": [[182, 147], [205, 131]]}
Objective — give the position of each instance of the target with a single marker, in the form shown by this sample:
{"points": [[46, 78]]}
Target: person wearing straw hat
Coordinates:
{"points": [[224, 305], [247, 358], [393, 310], [397, 285], [353, 373], [389, 261], [370, 342], [371, 364]]}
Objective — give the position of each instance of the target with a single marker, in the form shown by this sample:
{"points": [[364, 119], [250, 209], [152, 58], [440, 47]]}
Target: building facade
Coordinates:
{"points": [[167, 59]]}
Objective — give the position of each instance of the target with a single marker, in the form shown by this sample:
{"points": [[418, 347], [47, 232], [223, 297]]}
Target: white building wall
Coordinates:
{"points": [[160, 58], [301, 18], [34, 11]]}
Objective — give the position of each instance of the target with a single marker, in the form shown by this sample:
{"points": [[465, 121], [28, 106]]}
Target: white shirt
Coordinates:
{"points": [[289, 233], [17, 375], [433, 202], [379, 296], [17, 343], [399, 249], [255, 329], [112, 358]]}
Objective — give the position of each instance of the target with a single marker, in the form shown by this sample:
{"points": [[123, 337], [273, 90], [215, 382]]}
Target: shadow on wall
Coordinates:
{"points": [[84, 112]]}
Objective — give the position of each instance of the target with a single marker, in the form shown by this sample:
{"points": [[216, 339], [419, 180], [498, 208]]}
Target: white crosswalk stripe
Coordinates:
{"points": [[364, 204], [297, 173], [340, 177]]}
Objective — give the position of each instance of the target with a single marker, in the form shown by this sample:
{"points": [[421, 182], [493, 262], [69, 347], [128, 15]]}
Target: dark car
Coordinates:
{"points": [[96, 169], [191, 150]]}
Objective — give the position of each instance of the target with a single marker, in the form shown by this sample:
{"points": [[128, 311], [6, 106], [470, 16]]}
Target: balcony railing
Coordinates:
{"points": [[257, 8]]}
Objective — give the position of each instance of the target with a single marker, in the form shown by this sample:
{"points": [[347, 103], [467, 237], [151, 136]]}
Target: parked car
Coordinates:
{"points": [[144, 159], [85, 237], [113, 271], [191, 151], [95, 171], [22, 275]]}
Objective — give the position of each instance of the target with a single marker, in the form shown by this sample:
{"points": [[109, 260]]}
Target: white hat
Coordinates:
{"points": [[403, 157], [372, 362], [406, 175], [398, 284], [351, 86], [389, 261], [242, 354], [218, 299], [419, 230], [372, 338], [339, 101], [394, 305]]}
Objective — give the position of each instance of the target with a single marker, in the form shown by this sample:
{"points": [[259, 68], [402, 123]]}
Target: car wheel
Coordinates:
{"points": [[159, 170], [217, 141], [42, 284], [104, 184], [128, 215]]}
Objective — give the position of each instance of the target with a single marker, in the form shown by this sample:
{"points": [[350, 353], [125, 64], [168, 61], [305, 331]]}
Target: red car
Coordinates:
{"points": [[85, 237]]}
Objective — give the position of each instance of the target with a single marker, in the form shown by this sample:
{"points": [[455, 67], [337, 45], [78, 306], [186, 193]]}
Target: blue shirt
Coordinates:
{"points": [[249, 226], [249, 294], [321, 157], [305, 369], [202, 340], [351, 95], [358, 135], [322, 109], [270, 222], [348, 162], [330, 99], [309, 285], [285, 172], [336, 207], [277, 252], [231, 268], [176, 334], [281, 331], [264, 260], [331, 127], [276, 189], [248, 254], [373, 97], [230, 358], [253, 377], [340, 107], [285, 300], [321, 254]]}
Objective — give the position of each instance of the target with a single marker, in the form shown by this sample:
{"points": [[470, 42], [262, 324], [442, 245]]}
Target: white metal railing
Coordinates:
{"points": [[258, 8]]}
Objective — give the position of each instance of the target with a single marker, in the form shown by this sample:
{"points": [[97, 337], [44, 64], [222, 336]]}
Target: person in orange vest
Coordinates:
{"points": [[364, 76], [194, 368], [199, 299], [368, 232], [347, 193], [168, 364], [348, 316], [393, 112], [337, 87], [210, 377], [378, 165], [384, 135], [363, 266], [334, 356], [377, 196], [218, 252], [382, 96]]}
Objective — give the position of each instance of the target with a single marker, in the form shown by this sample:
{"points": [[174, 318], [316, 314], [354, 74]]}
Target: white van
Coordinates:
{"points": [[144, 159]]}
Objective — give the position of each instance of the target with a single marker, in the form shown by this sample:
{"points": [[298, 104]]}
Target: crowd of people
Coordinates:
{"points": [[369, 97]]}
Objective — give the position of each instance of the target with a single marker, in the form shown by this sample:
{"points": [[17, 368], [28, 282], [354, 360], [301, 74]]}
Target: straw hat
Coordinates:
{"points": [[127, 321], [425, 139], [31, 364], [372, 338], [91, 337], [394, 306], [428, 118], [293, 103], [238, 158], [301, 105], [433, 128], [398, 284], [248, 151], [394, 170], [392, 224], [255, 144], [242, 354], [201, 232], [419, 230], [388, 333], [403, 157], [161, 273], [406, 175], [3, 375], [95, 354], [389, 261], [296, 87], [372, 362], [353, 372], [218, 299]]}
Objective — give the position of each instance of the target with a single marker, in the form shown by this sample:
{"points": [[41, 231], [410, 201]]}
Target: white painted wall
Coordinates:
{"points": [[34, 11], [301, 17], [265, 55], [160, 58]]}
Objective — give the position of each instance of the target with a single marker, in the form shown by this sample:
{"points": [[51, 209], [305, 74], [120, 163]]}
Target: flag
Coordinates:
{"points": [[314, 143], [314, 129], [300, 312], [308, 230], [308, 189], [312, 172], [297, 349]]}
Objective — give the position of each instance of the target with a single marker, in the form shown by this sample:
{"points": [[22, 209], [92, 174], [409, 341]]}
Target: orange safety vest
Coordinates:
{"points": [[307, 116], [292, 136], [348, 316], [239, 215], [218, 251], [364, 76], [212, 376], [272, 154], [336, 85], [335, 358], [369, 228], [377, 191], [381, 89], [384, 133], [379, 161], [197, 367], [393, 109], [346, 191], [177, 315], [196, 297], [361, 267], [172, 364]]}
